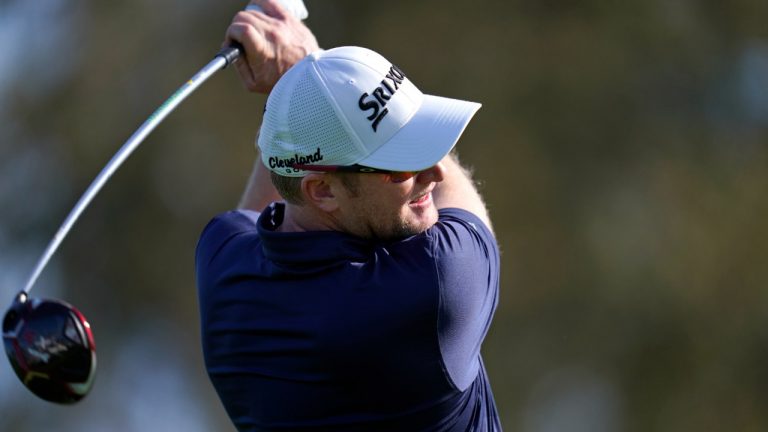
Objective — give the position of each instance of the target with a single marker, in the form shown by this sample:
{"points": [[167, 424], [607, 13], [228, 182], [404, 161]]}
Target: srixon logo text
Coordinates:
{"points": [[377, 100]]}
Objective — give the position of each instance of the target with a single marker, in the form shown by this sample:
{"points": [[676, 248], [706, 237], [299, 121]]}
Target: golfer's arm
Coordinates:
{"points": [[259, 191], [457, 190]]}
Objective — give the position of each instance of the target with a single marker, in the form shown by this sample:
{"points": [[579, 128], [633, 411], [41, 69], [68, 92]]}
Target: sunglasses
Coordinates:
{"points": [[394, 176]]}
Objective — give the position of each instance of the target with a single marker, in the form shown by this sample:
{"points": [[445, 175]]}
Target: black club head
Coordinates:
{"points": [[50, 346]]}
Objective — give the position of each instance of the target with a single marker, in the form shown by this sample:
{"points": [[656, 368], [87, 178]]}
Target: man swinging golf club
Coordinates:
{"points": [[353, 288]]}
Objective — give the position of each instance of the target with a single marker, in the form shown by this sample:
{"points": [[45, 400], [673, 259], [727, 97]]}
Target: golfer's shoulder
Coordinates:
{"points": [[231, 222], [462, 225], [223, 228], [460, 236]]}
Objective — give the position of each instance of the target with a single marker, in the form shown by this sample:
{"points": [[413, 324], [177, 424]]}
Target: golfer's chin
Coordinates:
{"points": [[421, 217]]}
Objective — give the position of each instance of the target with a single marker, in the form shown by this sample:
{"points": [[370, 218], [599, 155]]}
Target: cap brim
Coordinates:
{"points": [[427, 137]]}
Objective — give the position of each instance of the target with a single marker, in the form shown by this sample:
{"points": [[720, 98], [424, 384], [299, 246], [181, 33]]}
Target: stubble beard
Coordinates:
{"points": [[403, 228]]}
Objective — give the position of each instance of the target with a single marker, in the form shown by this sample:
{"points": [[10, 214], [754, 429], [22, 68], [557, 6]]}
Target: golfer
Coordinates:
{"points": [[353, 287]]}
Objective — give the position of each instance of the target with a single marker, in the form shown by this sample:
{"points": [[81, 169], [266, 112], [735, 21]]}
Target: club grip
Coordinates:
{"points": [[231, 53]]}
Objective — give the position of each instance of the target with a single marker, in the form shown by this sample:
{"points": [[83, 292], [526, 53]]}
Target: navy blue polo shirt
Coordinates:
{"points": [[325, 331]]}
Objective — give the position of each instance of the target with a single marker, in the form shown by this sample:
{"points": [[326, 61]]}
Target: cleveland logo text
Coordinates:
{"points": [[295, 160]]}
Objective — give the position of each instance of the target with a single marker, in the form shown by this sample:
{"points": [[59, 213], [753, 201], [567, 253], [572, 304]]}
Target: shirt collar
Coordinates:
{"points": [[307, 247]]}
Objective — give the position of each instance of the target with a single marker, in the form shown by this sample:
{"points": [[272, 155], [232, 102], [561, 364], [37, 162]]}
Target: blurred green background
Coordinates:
{"points": [[622, 149]]}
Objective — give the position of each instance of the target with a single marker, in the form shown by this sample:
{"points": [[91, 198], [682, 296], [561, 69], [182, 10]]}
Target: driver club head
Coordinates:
{"points": [[50, 346]]}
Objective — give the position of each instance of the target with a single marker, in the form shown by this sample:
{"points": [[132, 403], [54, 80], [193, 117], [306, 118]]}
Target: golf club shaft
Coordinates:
{"points": [[224, 58]]}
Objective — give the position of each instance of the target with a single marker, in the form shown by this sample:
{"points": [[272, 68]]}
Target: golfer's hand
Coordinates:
{"points": [[273, 41]]}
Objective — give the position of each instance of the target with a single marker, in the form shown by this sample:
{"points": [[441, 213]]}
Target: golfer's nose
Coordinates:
{"points": [[432, 174]]}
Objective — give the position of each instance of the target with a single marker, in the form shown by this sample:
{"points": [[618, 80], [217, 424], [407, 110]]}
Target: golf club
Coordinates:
{"points": [[49, 343]]}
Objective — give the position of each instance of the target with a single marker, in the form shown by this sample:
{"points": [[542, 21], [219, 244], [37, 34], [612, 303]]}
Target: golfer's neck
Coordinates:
{"points": [[302, 218]]}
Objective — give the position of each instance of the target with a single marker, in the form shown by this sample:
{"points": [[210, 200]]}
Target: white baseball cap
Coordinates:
{"points": [[350, 106]]}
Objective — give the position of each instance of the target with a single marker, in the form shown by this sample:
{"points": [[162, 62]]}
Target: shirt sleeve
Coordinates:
{"points": [[467, 261]]}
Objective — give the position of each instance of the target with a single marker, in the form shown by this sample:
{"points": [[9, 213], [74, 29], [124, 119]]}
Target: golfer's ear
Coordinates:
{"points": [[317, 191]]}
